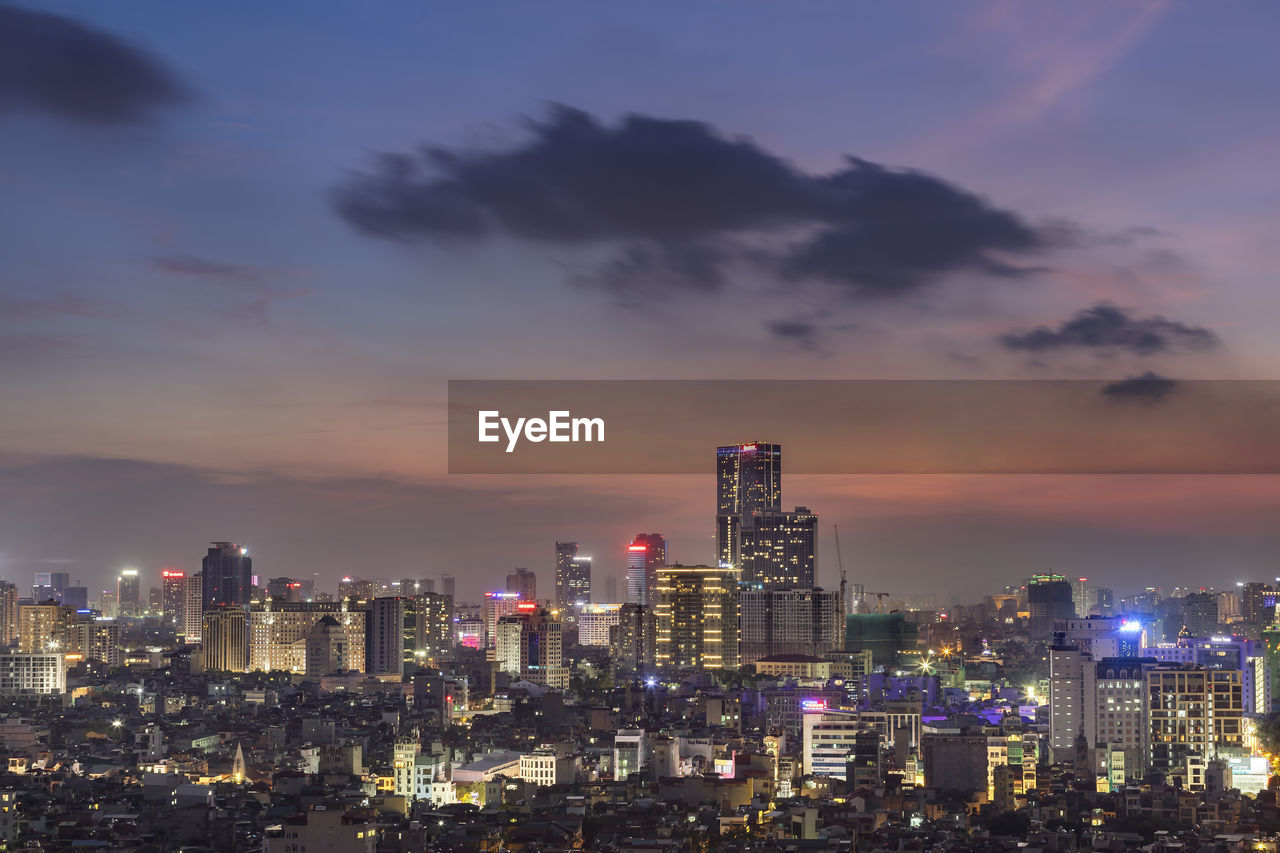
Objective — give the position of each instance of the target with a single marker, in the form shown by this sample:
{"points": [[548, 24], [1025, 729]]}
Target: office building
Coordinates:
{"points": [[1200, 614], [789, 622], [779, 550], [76, 597], [633, 641], [573, 577], [890, 637], [279, 632], [331, 649], [127, 597], [173, 596], [225, 638], [497, 605], [432, 627], [1083, 596], [529, 646], [228, 575], [595, 622], [1192, 713], [193, 608], [43, 627], [1048, 602], [1257, 604], [646, 554], [8, 614], [385, 636], [748, 479], [1119, 711], [1104, 601], [1101, 636], [48, 586], [524, 584], [24, 674], [1072, 688], [697, 617]]}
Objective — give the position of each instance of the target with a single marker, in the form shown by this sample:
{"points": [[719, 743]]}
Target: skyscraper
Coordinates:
{"points": [[748, 479], [385, 644], [633, 641], [228, 575], [573, 576], [497, 605], [192, 624], [1083, 596], [1200, 614], [524, 584], [226, 639], [127, 593], [8, 614], [779, 550], [646, 554], [697, 617], [529, 645], [173, 596], [793, 621], [1048, 600], [448, 586]]}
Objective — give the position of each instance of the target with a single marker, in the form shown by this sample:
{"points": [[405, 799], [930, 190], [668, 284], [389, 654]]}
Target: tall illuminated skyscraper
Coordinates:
{"points": [[779, 550], [228, 575], [748, 478], [173, 596], [646, 554], [573, 576], [697, 617], [127, 593]]}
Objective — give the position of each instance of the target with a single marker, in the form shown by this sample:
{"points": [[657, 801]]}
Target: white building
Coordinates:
{"points": [[545, 768], [594, 622], [1071, 691], [31, 674], [630, 748]]}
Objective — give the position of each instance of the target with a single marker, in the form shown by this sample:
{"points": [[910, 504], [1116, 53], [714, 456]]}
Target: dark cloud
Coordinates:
{"points": [[1150, 387], [800, 330], [650, 270], [200, 267], [1107, 328], [666, 190], [58, 66]]}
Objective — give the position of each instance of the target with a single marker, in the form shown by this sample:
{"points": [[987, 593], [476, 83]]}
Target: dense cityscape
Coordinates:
{"points": [[724, 706]]}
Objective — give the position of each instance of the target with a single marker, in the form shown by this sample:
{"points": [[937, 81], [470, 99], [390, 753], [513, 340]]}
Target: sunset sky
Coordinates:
{"points": [[245, 246]]}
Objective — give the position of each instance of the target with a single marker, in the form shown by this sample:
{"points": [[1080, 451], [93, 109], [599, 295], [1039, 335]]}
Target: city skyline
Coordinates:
{"points": [[246, 338]]}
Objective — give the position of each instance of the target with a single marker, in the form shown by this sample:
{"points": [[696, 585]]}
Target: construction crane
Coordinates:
{"points": [[844, 598]]}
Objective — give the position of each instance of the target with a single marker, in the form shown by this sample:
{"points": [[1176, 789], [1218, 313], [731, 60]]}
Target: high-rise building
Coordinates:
{"points": [[192, 624], [633, 641], [415, 586], [529, 646], [228, 575], [24, 674], [888, 636], [524, 584], [1200, 614], [76, 597], [226, 639], [1048, 601], [385, 644], [49, 585], [8, 614], [611, 589], [329, 649], [748, 479], [127, 593], [1192, 712], [448, 586], [429, 628], [697, 617], [1072, 689], [43, 627], [1256, 606], [1105, 601], [278, 632], [789, 622], [174, 596], [646, 554], [595, 622], [497, 605], [1083, 596], [573, 577], [779, 550], [357, 589]]}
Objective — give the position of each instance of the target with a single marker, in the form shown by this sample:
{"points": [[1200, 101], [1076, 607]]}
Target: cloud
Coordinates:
{"points": [[1107, 329], [200, 267], [678, 200], [1148, 388], [57, 66]]}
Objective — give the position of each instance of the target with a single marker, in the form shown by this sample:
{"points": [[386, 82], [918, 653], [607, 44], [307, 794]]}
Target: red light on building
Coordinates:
{"points": [[637, 547], [527, 605], [170, 573]]}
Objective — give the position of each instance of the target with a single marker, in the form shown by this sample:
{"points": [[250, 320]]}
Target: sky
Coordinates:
{"points": [[245, 247]]}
